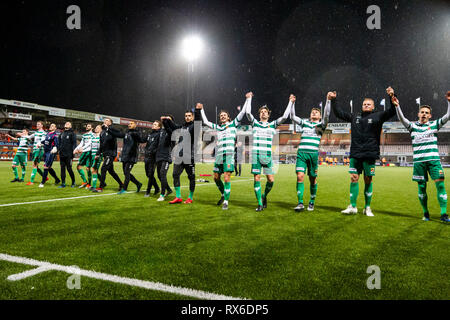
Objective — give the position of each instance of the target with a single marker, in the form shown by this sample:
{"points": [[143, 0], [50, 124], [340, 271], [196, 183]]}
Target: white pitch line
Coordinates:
{"points": [[95, 195], [28, 273], [46, 266]]}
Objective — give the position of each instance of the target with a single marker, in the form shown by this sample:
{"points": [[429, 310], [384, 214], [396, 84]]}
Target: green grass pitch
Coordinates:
{"points": [[276, 254]]}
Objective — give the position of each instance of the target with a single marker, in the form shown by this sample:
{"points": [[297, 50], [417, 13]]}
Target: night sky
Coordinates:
{"points": [[125, 60]]}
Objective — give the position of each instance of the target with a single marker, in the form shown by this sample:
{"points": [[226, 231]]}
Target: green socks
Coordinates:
{"points": [[367, 194], [442, 196], [219, 185], [33, 175], [191, 195], [178, 192], [16, 174], [257, 187], [313, 191], [354, 190], [83, 177], [423, 198], [94, 180], [24, 170], [300, 190], [269, 186], [227, 190]]}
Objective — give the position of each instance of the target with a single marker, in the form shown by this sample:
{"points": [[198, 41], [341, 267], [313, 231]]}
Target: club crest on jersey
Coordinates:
{"points": [[372, 170], [369, 120]]}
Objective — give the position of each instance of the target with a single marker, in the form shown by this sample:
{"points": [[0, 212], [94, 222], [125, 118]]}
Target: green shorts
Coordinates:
{"points": [[85, 159], [96, 162], [421, 169], [262, 161], [357, 166], [37, 155], [307, 160], [20, 159]]}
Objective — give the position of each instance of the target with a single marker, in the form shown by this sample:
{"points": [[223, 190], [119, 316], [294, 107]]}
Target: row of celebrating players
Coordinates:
{"points": [[365, 149]]}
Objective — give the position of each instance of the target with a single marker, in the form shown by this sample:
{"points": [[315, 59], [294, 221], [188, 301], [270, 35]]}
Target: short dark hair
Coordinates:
{"points": [[26, 129], [224, 111], [109, 119], [158, 122], [188, 111], [317, 109], [264, 107], [425, 106]]}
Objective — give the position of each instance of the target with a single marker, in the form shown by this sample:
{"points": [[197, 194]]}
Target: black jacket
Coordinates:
{"points": [[67, 143], [187, 127], [164, 145], [365, 130], [152, 144], [131, 140], [108, 142]]}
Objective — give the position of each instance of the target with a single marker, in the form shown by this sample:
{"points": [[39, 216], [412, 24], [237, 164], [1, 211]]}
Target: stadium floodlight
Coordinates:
{"points": [[192, 48]]}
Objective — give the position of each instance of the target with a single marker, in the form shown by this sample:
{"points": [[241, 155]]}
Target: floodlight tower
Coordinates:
{"points": [[192, 47]]}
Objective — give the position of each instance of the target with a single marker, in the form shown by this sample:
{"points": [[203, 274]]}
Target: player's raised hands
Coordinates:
{"points": [[448, 96], [331, 95], [199, 106], [390, 91], [249, 94], [292, 98], [395, 101]]}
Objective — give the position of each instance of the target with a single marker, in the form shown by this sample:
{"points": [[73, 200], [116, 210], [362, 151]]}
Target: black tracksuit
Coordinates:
{"points": [[108, 149], [150, 160], [130, 153], [67, 143], [365, 130], [164, 158], [186, 129]]}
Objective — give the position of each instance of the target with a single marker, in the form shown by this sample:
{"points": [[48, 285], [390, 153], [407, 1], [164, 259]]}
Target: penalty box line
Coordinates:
{"points": [[94, 195], [43, 266]]}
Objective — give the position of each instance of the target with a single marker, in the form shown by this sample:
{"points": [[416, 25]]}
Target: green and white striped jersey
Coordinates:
{"points": [[38, 136], [424, 136], [311, 135], [424, 140], [226, 134], [95, 144], [86, 142], [311, 131], [263, 133], [226, 138], [23, 145]]}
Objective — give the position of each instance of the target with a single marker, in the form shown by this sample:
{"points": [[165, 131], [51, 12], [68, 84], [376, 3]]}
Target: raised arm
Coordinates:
{"points": [[206, 122], [390, 112], [394, 103], [295, 119], [445, 117], [341, 114], [241, 114], [286, 113], [248, 109], [326, 113]]}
